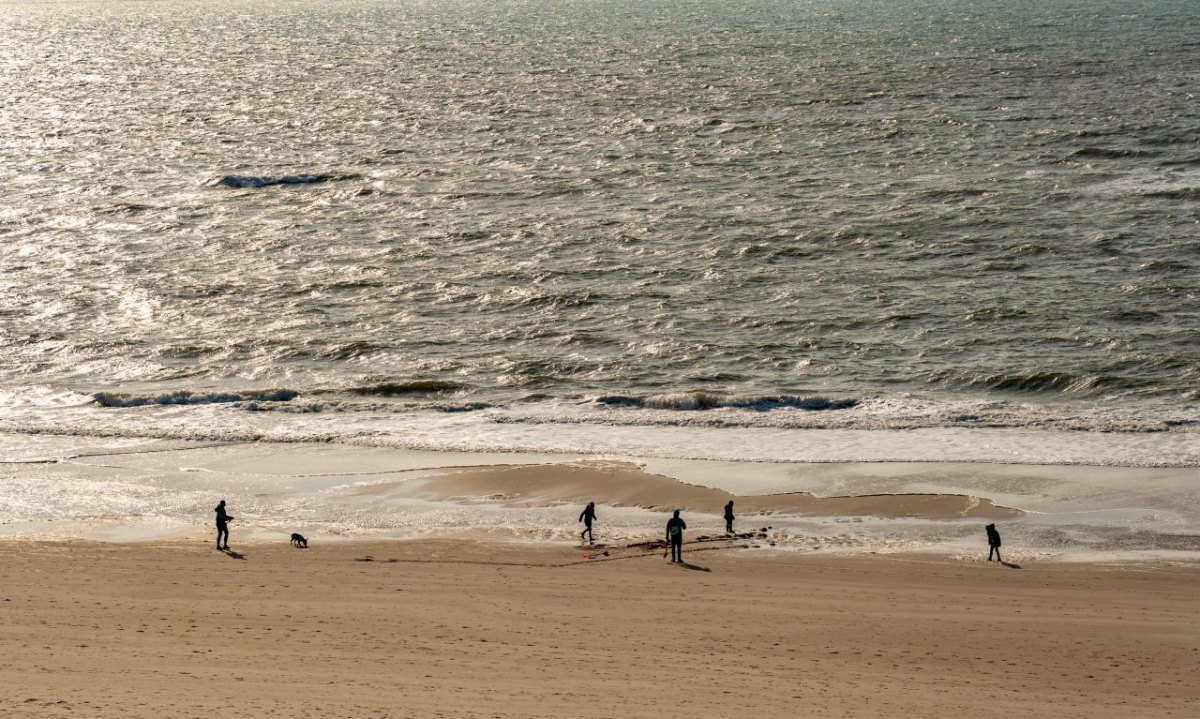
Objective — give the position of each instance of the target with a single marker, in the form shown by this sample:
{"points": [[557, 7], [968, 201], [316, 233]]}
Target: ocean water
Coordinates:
{"points": [[768, 231]]}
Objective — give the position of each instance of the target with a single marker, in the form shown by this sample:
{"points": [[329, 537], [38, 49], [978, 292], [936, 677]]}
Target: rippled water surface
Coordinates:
{"points": [[850, 213]]}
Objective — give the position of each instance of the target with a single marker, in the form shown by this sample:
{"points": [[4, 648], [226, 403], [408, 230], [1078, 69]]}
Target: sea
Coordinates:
{"points": [[762, 231]]}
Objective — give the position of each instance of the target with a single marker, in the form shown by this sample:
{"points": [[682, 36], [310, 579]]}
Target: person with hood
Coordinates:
{"points": [[729, 517], [993, 537]]}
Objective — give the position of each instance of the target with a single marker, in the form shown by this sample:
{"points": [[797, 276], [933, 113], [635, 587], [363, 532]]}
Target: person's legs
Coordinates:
{"points": [[729, 526], [222, 531], [676, 551]]}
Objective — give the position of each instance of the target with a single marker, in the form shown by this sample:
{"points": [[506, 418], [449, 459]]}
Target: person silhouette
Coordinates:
{"points": [[675, 527], [993, 542], [222, 525], [588, 515], [729, 517]]}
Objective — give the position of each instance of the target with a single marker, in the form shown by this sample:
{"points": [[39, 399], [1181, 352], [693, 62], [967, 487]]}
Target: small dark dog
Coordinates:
{"points": [[298, 540]]}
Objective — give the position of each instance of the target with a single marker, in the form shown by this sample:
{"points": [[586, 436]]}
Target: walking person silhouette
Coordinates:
{"points": [[222, 525], [993, 542], [729, 517], [588, 516], [675, 527]]}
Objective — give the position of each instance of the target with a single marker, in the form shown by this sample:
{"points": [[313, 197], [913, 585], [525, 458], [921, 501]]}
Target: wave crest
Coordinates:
{"points": [[1178, 193], [120, 399], [692, 401], [256, 181], [1038, 382], [420, 386]]}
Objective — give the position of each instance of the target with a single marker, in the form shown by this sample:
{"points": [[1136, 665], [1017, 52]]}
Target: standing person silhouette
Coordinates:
{"points": [[993, 542], [729, 517], [589, 514], [675, 527], [222, 525]]}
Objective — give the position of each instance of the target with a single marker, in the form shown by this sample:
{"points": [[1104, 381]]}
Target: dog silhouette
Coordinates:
{"points": [[298, 540]]}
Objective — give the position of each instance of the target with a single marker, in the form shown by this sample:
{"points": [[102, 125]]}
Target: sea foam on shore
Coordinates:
{"points": [[70, 487]]}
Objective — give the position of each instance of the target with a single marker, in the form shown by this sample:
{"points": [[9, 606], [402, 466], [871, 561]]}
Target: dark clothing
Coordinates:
{"points": [[222, 526], [588, 514], [993, 542], [729, 518], [675, 527]]}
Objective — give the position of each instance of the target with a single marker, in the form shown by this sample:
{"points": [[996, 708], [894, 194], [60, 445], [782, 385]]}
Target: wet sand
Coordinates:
{"points": [[461, 628], [624, 484]]}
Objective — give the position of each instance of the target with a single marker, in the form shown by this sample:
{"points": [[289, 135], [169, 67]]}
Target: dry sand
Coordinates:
{"points": [[460, 628]]}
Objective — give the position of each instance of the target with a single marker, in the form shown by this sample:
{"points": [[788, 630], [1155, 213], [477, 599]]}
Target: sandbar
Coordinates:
{"points": [[625, 484]]}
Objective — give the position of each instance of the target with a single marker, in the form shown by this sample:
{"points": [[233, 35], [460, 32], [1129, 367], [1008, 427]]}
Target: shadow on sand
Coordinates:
{"points": [[693, 567], [1010, 565], [232, 554]]}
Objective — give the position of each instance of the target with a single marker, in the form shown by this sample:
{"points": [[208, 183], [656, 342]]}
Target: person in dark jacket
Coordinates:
{"points": [[588, 516], [993, 542], [675, 527], [222, 525], [729, 517]]}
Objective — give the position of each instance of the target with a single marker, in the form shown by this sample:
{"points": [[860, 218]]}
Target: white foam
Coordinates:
{"points": [[562, 428], [152, 491]]}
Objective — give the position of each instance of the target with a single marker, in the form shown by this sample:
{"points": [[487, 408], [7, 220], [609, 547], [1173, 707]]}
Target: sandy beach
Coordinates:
{"points": [[461, 628], [453, 585], [424, 281]]}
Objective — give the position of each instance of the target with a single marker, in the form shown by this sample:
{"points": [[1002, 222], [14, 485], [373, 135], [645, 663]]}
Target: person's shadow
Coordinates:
{"points": [[233, 555], [693, 567], [1010, 565]]}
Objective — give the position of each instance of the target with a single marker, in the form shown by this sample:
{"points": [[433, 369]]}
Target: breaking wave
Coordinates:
{"points": [[118, 399], [387, 389], [687, 401]]}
